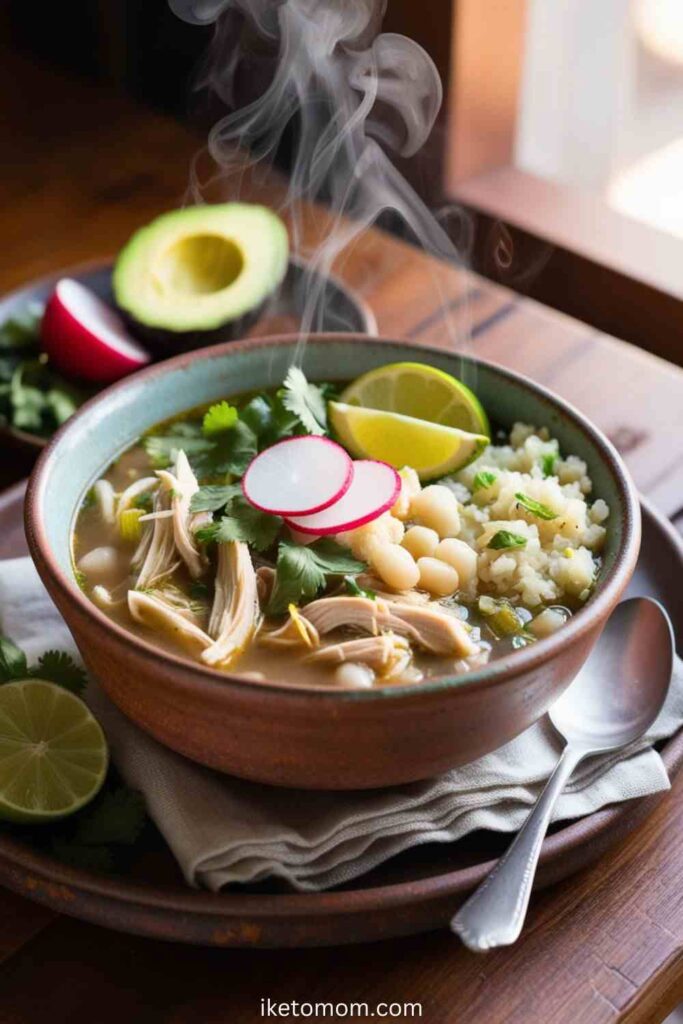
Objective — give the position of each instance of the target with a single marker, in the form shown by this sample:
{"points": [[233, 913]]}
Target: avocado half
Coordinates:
{"points": [[200, 275]]}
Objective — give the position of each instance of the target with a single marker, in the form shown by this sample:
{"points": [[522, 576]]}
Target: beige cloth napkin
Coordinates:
{"points": [[223, 830]]}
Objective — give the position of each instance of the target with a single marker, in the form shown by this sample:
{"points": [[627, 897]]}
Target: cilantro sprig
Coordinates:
{"points": [[54, 666], [33, 397], [303, 570], [241, 521]]}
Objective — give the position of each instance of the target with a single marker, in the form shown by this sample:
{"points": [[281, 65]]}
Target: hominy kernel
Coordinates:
{"points": [[395, 565], [437, 577], [421, 541], [354, 676], [437, 507], [461, 556]]}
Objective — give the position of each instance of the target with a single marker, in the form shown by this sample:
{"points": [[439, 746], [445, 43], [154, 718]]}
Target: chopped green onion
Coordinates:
{"points": [[535, 507], [502, 619], [484, 478], [505, 539], [548, 463]]}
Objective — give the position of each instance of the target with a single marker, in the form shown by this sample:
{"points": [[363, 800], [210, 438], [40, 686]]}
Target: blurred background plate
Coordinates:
{"points": [[343, 310]]}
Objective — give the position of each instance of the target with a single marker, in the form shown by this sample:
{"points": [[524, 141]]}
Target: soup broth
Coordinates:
{"points": [[501, 554]]}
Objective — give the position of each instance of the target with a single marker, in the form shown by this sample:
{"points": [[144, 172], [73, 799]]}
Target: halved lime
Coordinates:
{"points": [[430, 448], [421, 391], [53, 754]]}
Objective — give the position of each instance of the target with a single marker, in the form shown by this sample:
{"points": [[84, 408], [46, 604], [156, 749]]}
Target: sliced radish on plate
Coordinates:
{"points": [[86, 338], [374, 489], [298, 476]]}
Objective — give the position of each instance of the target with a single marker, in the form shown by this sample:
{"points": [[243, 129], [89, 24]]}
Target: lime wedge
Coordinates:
{"points": [[53, 754], [430, 448], [420, 391]]}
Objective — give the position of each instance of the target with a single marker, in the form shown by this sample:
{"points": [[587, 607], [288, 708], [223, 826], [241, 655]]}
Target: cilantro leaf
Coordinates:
{"points": [[230, 452], [484, 478], [61, 404], [305, 401], [535, 507], [22, 331], [258, 415], [213, 497], [506, 539], [60, 668], [12, 661], [301, 571], [117, 817], [162, 450], [219, 418], [243, 522], [353, 588], [548, 463]]}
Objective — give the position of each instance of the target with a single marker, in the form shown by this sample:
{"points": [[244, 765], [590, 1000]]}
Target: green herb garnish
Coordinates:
{"points": [[305, 401], [214, 497], [60, 668], [535, 507], [484, 478], [242, 522], [32, 396], [548, 463], [505, 539], [220, 417], [302, 571], [352, 587]]}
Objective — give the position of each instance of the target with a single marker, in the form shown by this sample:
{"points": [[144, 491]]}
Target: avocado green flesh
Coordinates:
{"points": [[200, 268]]}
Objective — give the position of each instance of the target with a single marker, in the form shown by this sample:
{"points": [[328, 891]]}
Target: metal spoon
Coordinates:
{"points": [[613, 701]]}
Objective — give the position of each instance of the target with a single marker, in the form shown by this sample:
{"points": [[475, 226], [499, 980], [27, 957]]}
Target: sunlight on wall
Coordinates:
{"points": [[659, 24], [651, 190]]}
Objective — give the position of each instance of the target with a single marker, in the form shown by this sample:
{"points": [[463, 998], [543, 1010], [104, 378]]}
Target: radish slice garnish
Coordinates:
{"points": [[374, 489], [86, 338], [298, 476]]}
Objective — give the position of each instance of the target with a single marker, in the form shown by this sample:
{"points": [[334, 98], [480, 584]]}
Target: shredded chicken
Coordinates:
{"points": [[156, 553], [183, 485], [428, 626], [156, 613], [127, 498], [380, 653], [235, 615]]}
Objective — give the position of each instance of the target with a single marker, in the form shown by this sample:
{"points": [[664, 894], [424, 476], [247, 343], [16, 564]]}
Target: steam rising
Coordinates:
{"points": [[351, 95]]}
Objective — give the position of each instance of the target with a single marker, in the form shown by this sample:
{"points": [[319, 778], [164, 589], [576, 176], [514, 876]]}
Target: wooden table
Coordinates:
{"points": [[81, 170]]}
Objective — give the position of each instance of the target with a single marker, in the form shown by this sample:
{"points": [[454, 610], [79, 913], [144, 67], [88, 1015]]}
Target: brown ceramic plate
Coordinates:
{"points": [[415, 892], [344, 311]]}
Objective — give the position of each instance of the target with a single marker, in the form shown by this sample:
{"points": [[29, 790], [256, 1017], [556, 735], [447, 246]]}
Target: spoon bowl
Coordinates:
{"points": [[621, 688]]}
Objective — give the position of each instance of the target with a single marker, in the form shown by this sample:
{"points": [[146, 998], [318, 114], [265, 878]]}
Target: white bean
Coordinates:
{"points": [[100, 563], [461, 556], [394, 565], [355, 676], [437, 577], [421, 541], [437, 507]]}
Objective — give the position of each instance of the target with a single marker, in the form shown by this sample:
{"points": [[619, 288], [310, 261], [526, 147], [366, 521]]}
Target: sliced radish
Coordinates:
{"points": [[298, 476], [374, 489], [85, 338]]}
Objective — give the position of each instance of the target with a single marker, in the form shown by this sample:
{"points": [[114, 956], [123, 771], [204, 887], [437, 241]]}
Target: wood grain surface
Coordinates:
{"points": [[603, 947]]}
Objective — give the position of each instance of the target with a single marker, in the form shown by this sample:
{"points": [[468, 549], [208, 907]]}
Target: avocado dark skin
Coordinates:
{"points": [[162, 343]]}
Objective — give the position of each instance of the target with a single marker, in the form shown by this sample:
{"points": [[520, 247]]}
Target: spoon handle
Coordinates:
{"points": [[494, 914]]}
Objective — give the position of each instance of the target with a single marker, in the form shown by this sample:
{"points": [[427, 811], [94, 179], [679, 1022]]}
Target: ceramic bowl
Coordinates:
{"points": [[300, 737]]}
